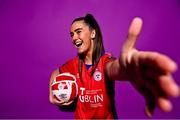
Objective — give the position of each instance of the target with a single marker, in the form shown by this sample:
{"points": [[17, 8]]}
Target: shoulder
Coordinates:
{"points": [[71, 61], [69, 66], [107, 56]]}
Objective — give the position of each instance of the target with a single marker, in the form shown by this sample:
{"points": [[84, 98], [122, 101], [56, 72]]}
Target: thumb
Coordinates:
{"points": [[133, 33]]}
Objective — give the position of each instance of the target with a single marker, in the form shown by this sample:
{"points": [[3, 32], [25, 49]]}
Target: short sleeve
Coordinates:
{"points": [[69, 67], [107, 58]]}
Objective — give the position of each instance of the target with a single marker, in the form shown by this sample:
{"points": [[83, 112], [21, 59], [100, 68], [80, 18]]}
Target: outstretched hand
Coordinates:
{"points": [[149, 72]]}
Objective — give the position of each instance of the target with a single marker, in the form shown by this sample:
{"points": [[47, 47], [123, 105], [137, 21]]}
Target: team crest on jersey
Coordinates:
{"points": [[97, 75]]}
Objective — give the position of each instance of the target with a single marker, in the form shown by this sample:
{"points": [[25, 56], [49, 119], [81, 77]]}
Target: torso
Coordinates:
{"points": [[95, 93]]}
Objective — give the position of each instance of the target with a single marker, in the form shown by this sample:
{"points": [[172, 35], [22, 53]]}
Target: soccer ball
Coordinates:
{"points": [[64, 87]]}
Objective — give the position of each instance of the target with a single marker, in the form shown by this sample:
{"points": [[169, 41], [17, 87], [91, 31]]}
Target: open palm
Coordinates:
{"points": [[149, 72]]}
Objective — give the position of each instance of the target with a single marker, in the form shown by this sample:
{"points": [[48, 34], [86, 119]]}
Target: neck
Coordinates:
{"points": [[88, 55], [88, 59]]}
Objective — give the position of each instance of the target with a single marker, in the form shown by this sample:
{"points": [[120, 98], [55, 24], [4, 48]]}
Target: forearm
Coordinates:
{"points": [[53, 75], [115, 72]]}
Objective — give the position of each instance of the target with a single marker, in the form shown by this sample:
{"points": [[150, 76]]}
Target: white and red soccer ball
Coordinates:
{"points": [[64, 87]]}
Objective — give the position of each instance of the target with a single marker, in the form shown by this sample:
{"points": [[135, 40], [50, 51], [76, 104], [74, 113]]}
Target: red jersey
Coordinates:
{"points": [[95, 92]]}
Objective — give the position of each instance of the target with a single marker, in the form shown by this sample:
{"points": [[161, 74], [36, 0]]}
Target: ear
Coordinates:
{"points": [[93, 34]]}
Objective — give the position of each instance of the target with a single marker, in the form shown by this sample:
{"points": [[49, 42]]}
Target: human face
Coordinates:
{"points": [[82, 37]]}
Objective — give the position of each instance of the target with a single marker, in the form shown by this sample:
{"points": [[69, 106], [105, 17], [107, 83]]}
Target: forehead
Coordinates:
{"points": [[78, 24]]}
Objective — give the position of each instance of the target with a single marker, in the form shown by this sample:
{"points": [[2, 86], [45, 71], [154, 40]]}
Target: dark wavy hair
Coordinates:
{"points": [[98, 49]]}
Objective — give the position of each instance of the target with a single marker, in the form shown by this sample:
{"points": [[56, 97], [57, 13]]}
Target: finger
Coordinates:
{"points": [[161, 99], [164, 104], [65, 104], [165, 82], [160, 96], [161, 88], [57, 101], [61, 102], [159, 62], [133, 33], [168, 85], [149, 109], [150, 103], [149, 98]]}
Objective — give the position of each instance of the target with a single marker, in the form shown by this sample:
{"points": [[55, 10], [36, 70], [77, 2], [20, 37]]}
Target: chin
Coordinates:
{"points": [[80, 52]]}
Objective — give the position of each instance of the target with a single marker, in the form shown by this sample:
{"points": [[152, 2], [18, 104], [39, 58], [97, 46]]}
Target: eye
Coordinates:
{"points": [[71, 34], [78, 32]]}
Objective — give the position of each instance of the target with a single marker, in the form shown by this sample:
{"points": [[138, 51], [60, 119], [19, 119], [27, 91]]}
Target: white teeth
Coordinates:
{"points": [[78, 43]]}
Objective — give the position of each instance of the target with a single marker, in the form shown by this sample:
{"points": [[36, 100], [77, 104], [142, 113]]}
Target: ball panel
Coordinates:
{"points": [[74, 91], [60, 78], [64, 87]]}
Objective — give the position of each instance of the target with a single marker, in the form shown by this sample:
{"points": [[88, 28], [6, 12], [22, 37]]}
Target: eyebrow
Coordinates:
{"points": [[76, 30]]}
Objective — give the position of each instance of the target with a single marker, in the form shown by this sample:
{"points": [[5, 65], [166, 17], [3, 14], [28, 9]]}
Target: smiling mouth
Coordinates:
{"points": [[78, 43]]}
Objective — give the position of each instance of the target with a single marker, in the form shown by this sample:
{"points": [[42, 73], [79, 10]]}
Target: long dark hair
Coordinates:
{"points": [[98, 49]]}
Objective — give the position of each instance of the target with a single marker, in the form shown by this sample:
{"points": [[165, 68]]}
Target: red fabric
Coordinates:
{"points": [[93, 98]]}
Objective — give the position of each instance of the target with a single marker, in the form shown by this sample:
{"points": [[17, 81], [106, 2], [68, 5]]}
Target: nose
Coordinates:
{"points": [[74, 37]]}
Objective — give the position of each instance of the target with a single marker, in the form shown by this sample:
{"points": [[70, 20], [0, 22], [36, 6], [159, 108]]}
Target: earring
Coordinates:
{"points": [[93, 36]]}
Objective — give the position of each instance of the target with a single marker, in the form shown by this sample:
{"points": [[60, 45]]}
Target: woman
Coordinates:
{"points": [[95, 70]]}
